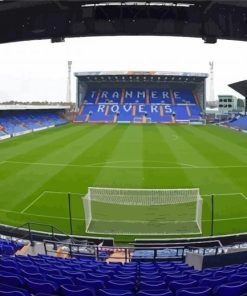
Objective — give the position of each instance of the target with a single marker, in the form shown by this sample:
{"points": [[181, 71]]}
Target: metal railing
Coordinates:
{"points": [[130, 253], [26, 231]]}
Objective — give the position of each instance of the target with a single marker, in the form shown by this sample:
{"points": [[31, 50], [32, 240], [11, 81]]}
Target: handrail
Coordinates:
{"points": [[74, 249], [28, 227], [183, 243]]}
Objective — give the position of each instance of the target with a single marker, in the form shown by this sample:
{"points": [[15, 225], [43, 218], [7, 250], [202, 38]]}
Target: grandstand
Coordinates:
{"points": [[15, 122], [139, 97], [38, 170]]}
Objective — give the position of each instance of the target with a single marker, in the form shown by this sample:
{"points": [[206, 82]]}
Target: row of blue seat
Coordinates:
{"points": [[139, 95], [58, 276], [239, 123], [24, 121], [156, 113], [9, 247]]}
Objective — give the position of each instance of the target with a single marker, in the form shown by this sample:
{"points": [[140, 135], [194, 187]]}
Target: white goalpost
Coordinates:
{"points": [[122, 211]]}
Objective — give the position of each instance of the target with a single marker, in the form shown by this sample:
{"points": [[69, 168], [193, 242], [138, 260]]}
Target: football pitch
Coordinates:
{"points": [[38, 170]]}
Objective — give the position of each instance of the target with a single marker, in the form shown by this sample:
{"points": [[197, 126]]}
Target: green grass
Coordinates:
{"points": [[38, 169]]}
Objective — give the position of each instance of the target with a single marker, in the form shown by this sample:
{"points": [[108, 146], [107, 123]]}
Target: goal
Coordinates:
{"points": [[119, 211]]}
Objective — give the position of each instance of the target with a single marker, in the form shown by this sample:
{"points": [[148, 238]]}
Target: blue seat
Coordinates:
{"points": [[242, 270], [126, 272], [60, 280], [114, 292], [122, 285], [73, 273], [226, 272], [151, 277], [36, 286], [163, 292], [153, 273], [11, 269], [170, 272], [28, 268], [238, 277], [8, 262], [125, 277], [9, 289], [149, 285], [12, 280], [90, 283], [32, 275], [213, 282], [98, 276], [51, 271], [170, 278], [176, 285], [14, 293], [233, 266], [201, 275], [195, 291], [72, 290], [231, 289]]}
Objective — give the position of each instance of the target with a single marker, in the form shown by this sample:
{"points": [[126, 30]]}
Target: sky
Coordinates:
{"points": [[37, 70]]}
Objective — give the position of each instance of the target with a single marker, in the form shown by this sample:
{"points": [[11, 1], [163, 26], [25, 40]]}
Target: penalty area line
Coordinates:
{"points": [[33, 202], [44, 216], [45, 192]]}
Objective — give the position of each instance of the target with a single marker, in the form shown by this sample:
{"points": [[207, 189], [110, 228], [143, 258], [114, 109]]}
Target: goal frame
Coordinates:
{"points": [[88, 211]]}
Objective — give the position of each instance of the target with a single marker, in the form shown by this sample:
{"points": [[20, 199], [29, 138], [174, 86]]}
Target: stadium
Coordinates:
{"points": [[129, 191]]}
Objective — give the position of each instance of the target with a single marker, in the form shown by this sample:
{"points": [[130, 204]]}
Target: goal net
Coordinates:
{"points": [[143, 211]]}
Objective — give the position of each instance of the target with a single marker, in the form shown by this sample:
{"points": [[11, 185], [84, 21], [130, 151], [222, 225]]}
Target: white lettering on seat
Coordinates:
{"points": [[116, 95], [115, 108], [104, 94], [165, 95], [154, 108], [141, 109], [127, 108], [141, 94], [128, 94], [154, 94], [101, 108]]}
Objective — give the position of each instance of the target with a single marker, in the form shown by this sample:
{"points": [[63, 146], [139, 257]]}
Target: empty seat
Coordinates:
{"points": [[213, 282], [36, 286], [195, 291], [60, 280], [182, 284], [149, 285], [117, 284], [114, 292], [12, 280], [238, 277], [90, 283], [73, 290], [231, 289], [4, 289], [163, 292]]}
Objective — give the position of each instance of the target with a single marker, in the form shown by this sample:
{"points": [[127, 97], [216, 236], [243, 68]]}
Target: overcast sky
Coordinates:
{"points": [[37, 70]]}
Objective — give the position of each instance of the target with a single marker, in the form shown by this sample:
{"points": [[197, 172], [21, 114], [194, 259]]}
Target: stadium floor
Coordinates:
{"points": [[37, 170]]}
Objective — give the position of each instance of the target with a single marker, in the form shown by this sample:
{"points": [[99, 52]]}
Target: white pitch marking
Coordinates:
{"points": [[80, 219], [43, 193], [186, 166], [226, 219], [244, 196], [34, 201], [222, 194], [36, 215], [63, 192], [138, 161]]}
